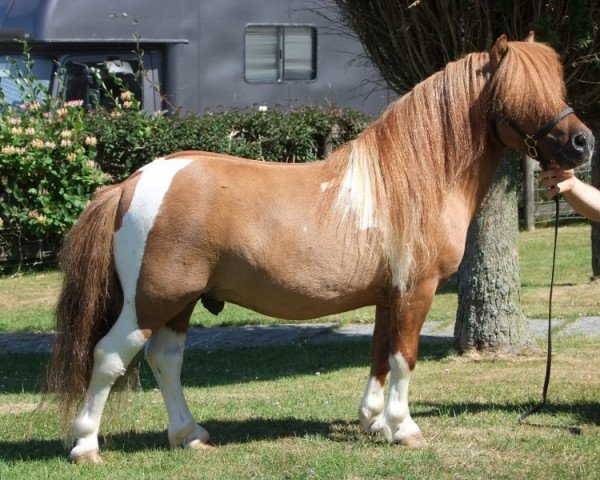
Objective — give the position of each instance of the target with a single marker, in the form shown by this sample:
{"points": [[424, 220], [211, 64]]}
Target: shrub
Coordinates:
{"points": [[53, 158], [47, 169], [129, 139]]}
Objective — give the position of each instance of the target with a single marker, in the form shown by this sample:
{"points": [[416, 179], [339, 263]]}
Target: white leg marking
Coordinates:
{"points": [[399, 426], [164, 353], [112, 355], [114, 352], [371, 407]]}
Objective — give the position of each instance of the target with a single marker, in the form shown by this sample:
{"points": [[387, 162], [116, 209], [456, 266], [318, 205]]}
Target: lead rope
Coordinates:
{"points": [[540, 405]]}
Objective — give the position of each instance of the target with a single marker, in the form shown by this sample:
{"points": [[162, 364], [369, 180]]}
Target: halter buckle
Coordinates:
{"points": [[531, 144]]}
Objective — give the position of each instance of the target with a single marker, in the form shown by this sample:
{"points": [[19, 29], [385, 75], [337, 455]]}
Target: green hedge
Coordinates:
{"points": [[52, 159], [128, 140]]}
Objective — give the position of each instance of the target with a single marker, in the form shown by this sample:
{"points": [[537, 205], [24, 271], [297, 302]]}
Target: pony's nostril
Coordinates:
{"points": [[579, 141]]}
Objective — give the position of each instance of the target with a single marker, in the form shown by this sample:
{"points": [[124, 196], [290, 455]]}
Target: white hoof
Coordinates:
{"points": [[371, 423], [194, 437], [83, 458], [405, 433]]}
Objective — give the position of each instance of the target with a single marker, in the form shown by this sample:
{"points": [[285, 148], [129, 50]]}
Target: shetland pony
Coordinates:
{"points": [[381, 222]]}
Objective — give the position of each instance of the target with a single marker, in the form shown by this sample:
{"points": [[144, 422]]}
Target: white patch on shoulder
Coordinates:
{"points": [[130, 239], [325, 185], [355, 197]]}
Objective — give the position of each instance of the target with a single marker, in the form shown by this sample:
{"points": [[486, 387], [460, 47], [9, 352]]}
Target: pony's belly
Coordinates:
{"points": [[300, 303], [298, 308]]}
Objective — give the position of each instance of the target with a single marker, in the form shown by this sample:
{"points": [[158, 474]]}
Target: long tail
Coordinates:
{"points": [[90, 300]]}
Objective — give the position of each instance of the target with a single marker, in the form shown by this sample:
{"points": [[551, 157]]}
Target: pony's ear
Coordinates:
{"points": [[499, 50], [530, 36]]}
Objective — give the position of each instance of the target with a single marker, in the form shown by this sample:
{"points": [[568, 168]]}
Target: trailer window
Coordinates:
{"points": [[12, 67], [280, 53]]}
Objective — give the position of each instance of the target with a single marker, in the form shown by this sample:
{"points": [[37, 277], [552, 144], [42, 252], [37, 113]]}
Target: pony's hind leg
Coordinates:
{"points": [[371, 408], [112, 355], [164, 353]]}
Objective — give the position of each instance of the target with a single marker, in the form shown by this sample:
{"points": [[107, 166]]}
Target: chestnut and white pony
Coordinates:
{"points": [[381, 222]]}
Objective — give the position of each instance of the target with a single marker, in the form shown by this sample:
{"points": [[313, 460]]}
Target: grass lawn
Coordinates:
{"points": [[291, 413], [26, 301]]}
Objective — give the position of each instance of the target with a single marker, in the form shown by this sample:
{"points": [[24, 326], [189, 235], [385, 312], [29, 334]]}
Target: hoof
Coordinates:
{"points": [[414, 440], [200, 445], [194, 437], [91, 457], [374, 426]]}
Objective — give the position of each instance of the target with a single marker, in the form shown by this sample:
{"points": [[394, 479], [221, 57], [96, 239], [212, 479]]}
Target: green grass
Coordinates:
{"points": [[26, 301], [272, 416]]}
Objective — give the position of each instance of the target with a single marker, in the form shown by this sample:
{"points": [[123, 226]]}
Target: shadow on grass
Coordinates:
{"points": [[223, 433], [583, 412], [23, 373]]}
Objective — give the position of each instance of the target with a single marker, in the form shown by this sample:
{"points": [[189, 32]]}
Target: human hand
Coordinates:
{"points": [[556, 180]]}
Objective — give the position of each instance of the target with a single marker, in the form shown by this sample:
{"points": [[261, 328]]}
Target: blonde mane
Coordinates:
{"points": [[394, 175]]}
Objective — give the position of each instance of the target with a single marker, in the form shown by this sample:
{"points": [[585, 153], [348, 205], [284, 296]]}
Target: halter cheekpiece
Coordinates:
{"points": [[531, 141]]}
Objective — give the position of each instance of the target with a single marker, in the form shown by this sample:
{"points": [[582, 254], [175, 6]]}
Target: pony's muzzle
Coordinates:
{"points": [[583, 142], [577, 150]]}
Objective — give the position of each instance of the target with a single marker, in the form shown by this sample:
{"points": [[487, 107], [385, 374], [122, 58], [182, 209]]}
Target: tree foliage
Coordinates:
{"points": [[410, 40]]}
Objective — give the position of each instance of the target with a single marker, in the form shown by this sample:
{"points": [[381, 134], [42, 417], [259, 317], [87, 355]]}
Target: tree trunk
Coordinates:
{"points": [[596, 225], [489, 317]]}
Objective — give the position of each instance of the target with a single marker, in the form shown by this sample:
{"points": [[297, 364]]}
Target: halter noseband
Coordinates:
{"points": [[531, 141]]}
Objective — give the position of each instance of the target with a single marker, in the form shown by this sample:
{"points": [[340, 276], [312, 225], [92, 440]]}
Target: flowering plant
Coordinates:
{"points": [[47, 167]]}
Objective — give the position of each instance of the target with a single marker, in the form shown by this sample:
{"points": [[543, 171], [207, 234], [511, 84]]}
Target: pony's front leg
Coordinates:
{"points": [[164, 353], [406, 322], [371, 408], [112, 355]]}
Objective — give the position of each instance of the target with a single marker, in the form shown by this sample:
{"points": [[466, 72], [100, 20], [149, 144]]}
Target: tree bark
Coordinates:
{"points": [[489, 317], [596, 225]]}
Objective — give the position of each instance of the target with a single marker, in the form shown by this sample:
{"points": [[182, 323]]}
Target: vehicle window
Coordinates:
{"points": [[111, 78]]}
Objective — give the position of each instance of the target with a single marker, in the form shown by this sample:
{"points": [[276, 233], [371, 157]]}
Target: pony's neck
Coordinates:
{"points": [[430, 145], [476, 180]]}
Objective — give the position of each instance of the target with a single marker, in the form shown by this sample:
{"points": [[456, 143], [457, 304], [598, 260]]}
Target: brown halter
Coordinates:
{"points": [[531, 141]]}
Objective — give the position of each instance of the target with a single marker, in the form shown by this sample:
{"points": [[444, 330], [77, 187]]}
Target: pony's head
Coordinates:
{"points": [[530, 109]]}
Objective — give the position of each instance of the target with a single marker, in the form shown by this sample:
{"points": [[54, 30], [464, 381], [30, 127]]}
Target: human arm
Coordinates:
{"points": [[584, 198]]}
